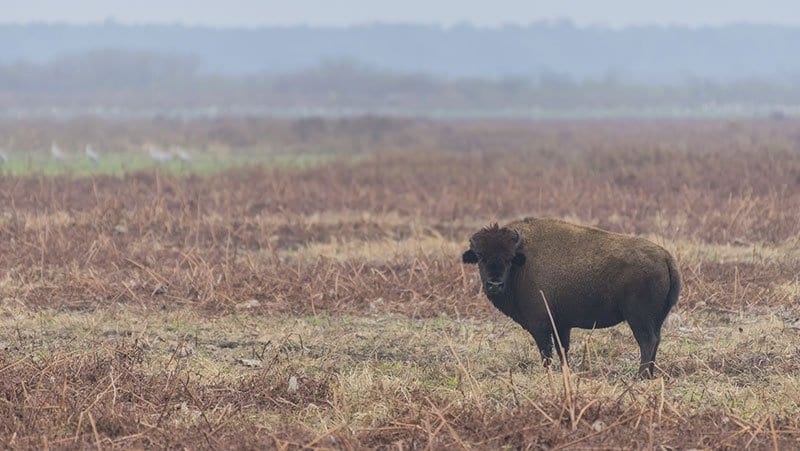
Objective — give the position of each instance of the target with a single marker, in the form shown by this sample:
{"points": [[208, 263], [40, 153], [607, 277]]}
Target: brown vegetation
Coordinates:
{"points": [[157, 310]]}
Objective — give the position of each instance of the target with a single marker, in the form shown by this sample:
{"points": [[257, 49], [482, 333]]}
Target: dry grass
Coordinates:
{"points": [[161, 379], [327, 306]]}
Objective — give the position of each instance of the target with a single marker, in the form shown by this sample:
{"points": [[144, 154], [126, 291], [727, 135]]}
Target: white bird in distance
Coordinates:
{"points": [[94, 156], [159, 156], [57, 153], [183, 155]]}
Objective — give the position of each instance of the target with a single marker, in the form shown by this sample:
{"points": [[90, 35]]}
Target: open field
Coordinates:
{"points": [[324, 304]]}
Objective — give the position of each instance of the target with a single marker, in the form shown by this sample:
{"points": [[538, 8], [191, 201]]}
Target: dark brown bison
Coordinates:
{"points": [[591, 279]]}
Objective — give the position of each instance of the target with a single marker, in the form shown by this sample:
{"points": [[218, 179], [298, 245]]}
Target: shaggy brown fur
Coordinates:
{"points": [[591, 279]]}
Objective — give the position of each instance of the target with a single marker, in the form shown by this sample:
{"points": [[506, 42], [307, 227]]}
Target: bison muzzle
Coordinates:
{"points": [[590, 278]]}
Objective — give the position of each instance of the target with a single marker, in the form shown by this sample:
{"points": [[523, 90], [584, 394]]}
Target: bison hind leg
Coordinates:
{"points": [[648, 337], [645, 320]]}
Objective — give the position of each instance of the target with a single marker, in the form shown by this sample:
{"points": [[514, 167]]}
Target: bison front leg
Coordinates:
{"points": [[563, 342], [543, 336]]}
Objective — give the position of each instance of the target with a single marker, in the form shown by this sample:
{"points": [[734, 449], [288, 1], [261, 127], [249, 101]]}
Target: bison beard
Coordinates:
{"points": [[592, 279]]}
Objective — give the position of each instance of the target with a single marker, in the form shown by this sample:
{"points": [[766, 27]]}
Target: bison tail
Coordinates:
{"points": [[674, 284]]}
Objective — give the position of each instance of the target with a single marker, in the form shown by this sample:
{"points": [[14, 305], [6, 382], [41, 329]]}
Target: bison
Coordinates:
{"points": [[589, 277]]}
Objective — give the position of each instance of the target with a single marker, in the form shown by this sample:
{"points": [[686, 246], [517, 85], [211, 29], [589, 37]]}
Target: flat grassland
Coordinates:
{"points": [[323, 304]]}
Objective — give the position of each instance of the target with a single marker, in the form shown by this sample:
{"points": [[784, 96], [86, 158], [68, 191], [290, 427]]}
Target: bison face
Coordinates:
{"points": [[496, 251]]}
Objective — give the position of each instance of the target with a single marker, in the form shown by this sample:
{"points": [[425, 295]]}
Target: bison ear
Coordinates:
{"points": [[519, 259], [469, 257]]}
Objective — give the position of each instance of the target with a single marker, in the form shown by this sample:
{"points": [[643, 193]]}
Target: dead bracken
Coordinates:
{"points": [[326, 305]]}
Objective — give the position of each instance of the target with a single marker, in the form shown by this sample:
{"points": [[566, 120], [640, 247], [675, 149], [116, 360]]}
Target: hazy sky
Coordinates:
{"points": [[228, 13]]}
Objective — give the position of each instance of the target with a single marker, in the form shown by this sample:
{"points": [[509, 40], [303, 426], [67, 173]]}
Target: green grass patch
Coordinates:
{"points": [[118, 164]]}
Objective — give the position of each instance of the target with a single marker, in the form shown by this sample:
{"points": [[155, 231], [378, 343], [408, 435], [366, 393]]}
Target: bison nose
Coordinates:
{"points": [[494, 287]]}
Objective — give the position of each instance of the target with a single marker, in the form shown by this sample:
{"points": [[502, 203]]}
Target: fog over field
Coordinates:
{"points": [[539, 70]]}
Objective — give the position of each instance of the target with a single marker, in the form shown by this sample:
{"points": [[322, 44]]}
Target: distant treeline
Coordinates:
{"points": [[145, 80], [647, 54]]}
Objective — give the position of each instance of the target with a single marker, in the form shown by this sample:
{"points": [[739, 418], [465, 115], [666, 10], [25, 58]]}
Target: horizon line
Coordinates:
{"points": [[552, 22]]}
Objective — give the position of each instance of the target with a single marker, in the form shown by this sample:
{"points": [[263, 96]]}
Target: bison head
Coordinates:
{"points": [[496, 250]]}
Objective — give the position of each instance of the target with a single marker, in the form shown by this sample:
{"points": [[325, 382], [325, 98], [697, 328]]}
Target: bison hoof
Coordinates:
{"points": [[646, 373]]}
